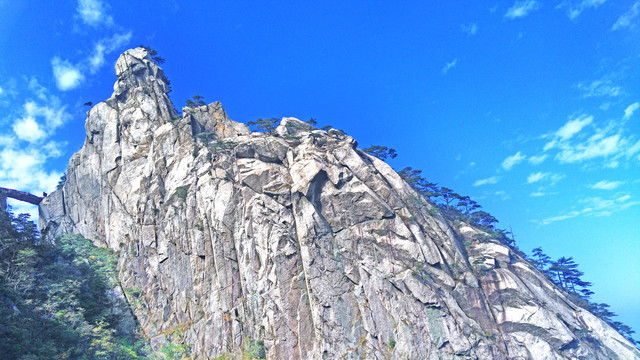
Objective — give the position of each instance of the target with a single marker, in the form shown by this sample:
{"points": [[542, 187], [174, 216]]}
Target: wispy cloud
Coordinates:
{"points": [[487, 181], [576, 144], [606, 185], [544, 176], [513, 160], [599, 88], [630, 110], [67, 76], [541, 193], [470, 29], [594, 147], [596, 206], [575, 8], [93, 13], [568, 130], [522, 8], [536, 160], [502, 195], [106, 46], [626, 20], [448, 66], [573, 127]]}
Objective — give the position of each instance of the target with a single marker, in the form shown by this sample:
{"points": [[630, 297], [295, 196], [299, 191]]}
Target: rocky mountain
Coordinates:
{"points": [[296, 243]]}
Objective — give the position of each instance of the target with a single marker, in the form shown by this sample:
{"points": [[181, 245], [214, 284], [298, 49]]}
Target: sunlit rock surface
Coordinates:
{"points": [[298, 239]]}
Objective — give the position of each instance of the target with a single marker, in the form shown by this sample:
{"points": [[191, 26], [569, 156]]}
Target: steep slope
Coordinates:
{"points": [[297, 239]]}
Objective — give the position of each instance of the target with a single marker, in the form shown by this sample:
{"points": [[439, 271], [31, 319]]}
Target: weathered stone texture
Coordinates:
{"points": [[298, 239]]}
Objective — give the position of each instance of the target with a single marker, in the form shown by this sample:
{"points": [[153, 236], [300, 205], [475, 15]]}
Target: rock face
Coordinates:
{"points": [[297, 239]]}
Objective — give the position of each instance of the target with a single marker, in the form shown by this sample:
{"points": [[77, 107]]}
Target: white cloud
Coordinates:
{"points": [[574, 9], [535, 177], [513, 160], [52, 111], [623, 198], [599, 88], [569, 215], [67, 76], [612, 164], [538, 194], [581, 139], [106, 46], [450, 65], [573, 127], [595, 147], [93, 13], [487, 181], [1, 91], [540, 176], [470, 29], [502, 195], [25, 152], [625, 21], [536, 160], [596, 206], [632, 150], [28, 129], [630, 110], [567, 131], [24, 169], [606, 185], [522, 9]]}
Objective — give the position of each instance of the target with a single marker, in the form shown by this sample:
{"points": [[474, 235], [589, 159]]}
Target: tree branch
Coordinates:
{"points": [[20, 195]]}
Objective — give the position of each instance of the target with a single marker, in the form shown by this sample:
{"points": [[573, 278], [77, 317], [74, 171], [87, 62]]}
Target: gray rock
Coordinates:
{"points": [[297, 239]]}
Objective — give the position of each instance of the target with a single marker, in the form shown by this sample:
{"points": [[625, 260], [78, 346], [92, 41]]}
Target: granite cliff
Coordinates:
{"points": [[297, 241]]}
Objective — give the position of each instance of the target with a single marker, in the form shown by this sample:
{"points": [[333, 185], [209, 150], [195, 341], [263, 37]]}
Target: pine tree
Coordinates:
{"points": [[265, 125], [381, 152]]}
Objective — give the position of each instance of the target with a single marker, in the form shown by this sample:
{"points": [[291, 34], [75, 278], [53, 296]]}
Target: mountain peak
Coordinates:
{"points": [[297, 243], [136, 68]]}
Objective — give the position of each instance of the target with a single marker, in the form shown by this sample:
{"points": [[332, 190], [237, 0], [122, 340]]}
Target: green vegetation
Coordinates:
{"points": [[174, 352], [62, 181], [381, 152], [264, 125], [154, 54], [181, 192], [54, 300], [196, 101], [206, 137], [392, 342], [255, 349], [225, 147], [564, 273]]}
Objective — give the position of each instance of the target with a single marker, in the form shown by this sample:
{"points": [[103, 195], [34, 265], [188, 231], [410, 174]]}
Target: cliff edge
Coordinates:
{"points": [[298, 241]]}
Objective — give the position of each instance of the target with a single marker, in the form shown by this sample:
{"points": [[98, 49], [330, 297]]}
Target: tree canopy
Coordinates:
{"points": [[381, 152], [53, 298], [265, 125]]}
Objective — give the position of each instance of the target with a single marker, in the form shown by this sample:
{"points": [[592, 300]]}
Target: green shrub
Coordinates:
{"points": [[59, 292], [255, 349], [181, 192]]}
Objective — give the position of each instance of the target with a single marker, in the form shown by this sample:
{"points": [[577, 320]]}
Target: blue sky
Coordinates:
{"points": [[530, 107]]}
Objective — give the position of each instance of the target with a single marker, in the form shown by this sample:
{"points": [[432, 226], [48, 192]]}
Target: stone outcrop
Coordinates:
{"points": [[297, 239]]}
